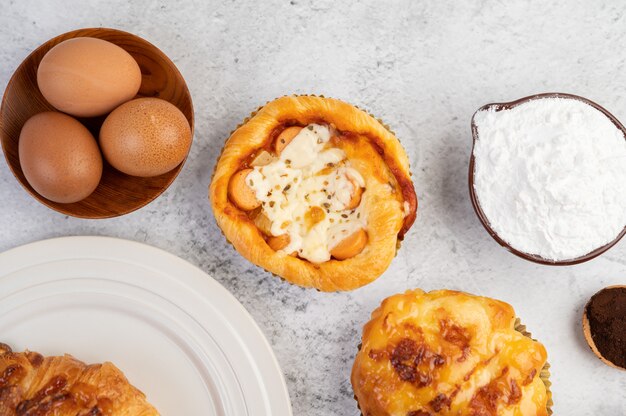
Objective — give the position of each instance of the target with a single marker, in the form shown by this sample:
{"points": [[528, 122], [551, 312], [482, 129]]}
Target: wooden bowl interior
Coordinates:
{"points": [[476, 204], [117, 193]]}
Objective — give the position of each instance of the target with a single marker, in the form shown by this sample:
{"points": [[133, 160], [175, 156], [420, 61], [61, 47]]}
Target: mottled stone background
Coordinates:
{"points": [[424, 67]]}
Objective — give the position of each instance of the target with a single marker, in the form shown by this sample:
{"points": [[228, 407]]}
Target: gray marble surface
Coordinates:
{"points": [[424, 67]]}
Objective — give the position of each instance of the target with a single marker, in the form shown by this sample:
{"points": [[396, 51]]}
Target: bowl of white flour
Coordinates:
{"points": [[547, 177]]}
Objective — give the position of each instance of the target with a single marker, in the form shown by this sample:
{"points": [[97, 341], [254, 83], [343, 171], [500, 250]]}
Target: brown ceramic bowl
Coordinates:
{"points": [[118, 193], [587, 332], [483, 217]]}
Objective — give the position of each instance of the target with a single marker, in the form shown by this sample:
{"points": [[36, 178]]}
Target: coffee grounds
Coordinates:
{"points": [[606, 313]]}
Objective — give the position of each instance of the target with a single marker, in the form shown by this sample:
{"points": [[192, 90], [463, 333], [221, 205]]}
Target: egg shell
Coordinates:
{"points": [[59, 157], [88, 77], [145, 137]]}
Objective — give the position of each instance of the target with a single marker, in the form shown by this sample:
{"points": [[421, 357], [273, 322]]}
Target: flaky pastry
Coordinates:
{"points": [[33, 385], [315, 191], [448, 353]]}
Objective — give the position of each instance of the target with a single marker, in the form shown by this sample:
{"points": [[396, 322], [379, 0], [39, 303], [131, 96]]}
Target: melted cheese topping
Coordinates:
{"points": [[448, 353], [304, 193]]}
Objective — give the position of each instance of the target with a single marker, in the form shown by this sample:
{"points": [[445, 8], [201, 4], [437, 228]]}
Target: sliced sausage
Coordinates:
{"points": [[241, 193], [350, 246]]}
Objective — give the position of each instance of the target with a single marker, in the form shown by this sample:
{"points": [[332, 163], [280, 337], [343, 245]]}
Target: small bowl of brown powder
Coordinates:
{"points": [[604, 325]]}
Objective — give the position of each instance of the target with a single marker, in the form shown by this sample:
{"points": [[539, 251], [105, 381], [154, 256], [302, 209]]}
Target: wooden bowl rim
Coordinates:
{"points": [[174, 172], [476, 205]]}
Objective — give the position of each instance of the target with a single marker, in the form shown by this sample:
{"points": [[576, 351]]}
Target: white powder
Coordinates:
{"points": [[550, 176]]}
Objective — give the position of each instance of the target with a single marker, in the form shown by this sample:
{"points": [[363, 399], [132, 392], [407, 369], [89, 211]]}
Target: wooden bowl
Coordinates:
{"points": [[118, 193], [476, 204], [589, 338]]}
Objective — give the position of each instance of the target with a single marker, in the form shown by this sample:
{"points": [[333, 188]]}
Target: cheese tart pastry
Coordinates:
{"points": [[33, 385], [315, 191], [446, 353]]}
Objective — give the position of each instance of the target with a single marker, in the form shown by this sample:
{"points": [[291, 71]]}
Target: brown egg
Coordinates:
{"points": [[88, 77], [59, 157], [145, 137]]}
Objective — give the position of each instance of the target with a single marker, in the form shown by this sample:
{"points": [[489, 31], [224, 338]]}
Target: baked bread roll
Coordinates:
{"points": [[446, 353], [33, 385], [315, 191]]}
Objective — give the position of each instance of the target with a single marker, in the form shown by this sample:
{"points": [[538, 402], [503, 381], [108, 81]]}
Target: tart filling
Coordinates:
{"points": [[315, 191], [306, 197]]}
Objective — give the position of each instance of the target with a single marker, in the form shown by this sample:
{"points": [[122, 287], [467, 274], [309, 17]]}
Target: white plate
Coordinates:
{"points": [[176, 333]]}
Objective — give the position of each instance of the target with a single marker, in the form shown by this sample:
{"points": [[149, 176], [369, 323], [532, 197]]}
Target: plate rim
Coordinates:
{"points": [[21, 257]]}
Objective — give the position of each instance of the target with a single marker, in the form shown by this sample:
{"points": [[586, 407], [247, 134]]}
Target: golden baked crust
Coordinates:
{"points": [[33, 385], [447, 353], [372, 150]]}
